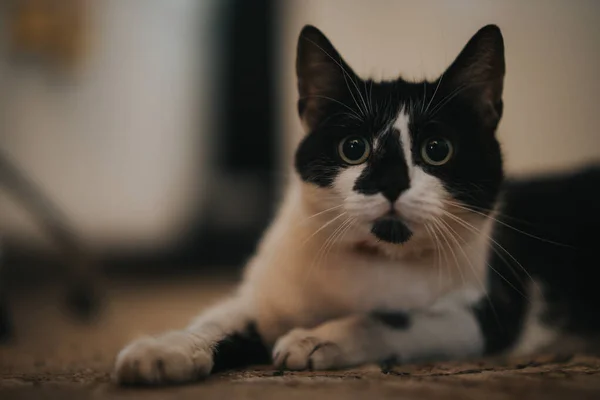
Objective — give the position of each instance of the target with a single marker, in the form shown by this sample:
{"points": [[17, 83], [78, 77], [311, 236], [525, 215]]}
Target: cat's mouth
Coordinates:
{"points": [[391, 229]]}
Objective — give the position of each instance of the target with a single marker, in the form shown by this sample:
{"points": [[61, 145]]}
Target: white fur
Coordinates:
{"points": [[309, 284], [401, 125], [535, 334]]}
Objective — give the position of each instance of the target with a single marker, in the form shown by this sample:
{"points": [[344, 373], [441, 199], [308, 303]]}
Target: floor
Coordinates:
{"points": [[56, 357]]}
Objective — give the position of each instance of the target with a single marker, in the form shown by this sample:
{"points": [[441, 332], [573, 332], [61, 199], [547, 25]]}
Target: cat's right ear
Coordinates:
{"points": [[477, 74], [324, 78]]}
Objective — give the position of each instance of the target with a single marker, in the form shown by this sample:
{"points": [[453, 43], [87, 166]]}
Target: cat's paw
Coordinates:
{"points": [[172, 358], [301, 349]]}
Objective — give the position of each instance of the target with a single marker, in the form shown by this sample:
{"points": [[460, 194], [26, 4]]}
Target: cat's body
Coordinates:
{"points": [[549, 230], [387, 245]]}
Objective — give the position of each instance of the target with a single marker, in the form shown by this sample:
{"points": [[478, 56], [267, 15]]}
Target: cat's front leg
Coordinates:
{"points": [[223, 337], [377, 337]]}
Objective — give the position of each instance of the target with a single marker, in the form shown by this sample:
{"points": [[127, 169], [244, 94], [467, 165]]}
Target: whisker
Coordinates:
{"points": [[346, 74], [324, 249], [479, 282], [368, 105], [447, 99], [318, 253], [318, 96], [434, 93], [371, 98], [362, 111], [479, 232], [424, 97], [469, 208], [507, 225], [323, 227], [443, 250], [320, 213], [434, 238], [506, 279], [341, 235], [443, 233]]}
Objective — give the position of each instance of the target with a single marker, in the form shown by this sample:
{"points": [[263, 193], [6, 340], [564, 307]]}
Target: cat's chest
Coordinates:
{"points": [[304, 288], [357, 284]]}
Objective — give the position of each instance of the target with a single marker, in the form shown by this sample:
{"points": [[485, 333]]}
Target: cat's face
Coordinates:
{"points": [[397, 155]]}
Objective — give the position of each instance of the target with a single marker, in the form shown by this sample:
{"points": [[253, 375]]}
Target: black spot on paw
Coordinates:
{"points": [[240, 349], [396, 320]]}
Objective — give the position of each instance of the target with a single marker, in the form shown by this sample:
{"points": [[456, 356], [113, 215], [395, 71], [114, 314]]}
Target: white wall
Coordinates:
{"points": [[551, 118], [120, 146], [125, 148]]}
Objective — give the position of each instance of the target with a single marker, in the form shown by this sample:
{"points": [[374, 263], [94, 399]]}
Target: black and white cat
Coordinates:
{"points": [[398, 238]]}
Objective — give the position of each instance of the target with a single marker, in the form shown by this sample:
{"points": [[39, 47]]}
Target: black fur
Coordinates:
{"points": [[391, 229], [396, 320], [387, 173], [240, 349], [554, 235]]}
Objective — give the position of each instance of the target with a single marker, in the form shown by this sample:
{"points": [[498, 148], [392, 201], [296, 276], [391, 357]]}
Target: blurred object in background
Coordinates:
{"points": [[162, 146], [48, 32], [240, 194], [81, 271]]}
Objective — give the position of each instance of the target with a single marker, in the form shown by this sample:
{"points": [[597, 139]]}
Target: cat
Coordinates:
{"points": [[399, 239]]}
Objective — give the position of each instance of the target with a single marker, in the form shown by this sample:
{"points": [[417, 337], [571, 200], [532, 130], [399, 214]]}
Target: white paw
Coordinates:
{"points": [[301, 349], [172, 358]]}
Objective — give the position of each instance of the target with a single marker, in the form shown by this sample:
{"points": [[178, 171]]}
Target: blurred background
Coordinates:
{"points": [[163, 129]]}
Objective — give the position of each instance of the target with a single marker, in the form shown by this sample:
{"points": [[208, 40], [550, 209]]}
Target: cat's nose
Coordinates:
{"points": [[392, 192], [393, 179], [393, 185]]}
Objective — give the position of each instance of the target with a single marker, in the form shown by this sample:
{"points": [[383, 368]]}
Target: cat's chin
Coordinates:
{"points": [[391, 230]]}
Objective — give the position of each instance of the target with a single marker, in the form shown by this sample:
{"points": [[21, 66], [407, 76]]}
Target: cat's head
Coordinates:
{"points": [[397, 155]]}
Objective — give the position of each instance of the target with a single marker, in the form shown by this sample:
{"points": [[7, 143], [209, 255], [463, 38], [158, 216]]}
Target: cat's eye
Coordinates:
{"points": [[437, 151], [354, 150]]}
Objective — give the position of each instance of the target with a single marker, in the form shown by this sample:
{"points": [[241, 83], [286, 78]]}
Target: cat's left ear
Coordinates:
{"points": [[478, 74]]}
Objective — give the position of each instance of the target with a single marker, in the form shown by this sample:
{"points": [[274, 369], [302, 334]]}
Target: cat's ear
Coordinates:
{"points": [[478, 73], [324, 78]]}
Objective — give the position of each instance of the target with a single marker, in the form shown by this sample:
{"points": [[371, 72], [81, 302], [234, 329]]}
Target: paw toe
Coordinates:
{"points": [[325, 356], [155, 361], [299, 351]]}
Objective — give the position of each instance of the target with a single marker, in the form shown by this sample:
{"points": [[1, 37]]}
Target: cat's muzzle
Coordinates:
{"points": [[391, 229]]}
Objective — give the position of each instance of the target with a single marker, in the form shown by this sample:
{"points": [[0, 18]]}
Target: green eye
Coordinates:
{"points": [[354, 150], [437, 151]]}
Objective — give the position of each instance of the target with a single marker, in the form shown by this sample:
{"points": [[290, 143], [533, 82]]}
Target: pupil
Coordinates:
{"points": [[437, 150], [354, 149]]}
